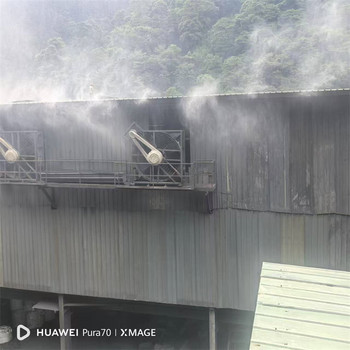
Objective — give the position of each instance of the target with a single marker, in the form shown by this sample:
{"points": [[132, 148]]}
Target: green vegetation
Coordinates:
{"points": [[167, 47]]}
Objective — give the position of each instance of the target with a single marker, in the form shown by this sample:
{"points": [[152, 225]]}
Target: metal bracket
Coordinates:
{"points": [[209, 202], [50, 196]]}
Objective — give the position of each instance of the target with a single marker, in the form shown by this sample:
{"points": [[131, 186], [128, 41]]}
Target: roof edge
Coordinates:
{"points": [[143, 99]]}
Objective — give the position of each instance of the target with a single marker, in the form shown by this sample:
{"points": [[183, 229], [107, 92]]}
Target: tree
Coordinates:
{"points": [[194, 19], [172, 92], [255, 12], [167, 47], [205, 79], [234, 74], [227, 38], [228, 6]]}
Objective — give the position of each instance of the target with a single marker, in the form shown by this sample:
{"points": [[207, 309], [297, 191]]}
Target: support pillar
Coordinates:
{"points": [[212, 330], [65, 323]]}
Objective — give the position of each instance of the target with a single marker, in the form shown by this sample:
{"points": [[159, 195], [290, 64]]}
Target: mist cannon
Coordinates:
{"points": [[154, 157], [11, 155]]}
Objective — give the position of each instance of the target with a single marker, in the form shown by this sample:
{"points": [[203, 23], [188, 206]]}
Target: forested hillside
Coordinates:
{"points": [[72, 49]]}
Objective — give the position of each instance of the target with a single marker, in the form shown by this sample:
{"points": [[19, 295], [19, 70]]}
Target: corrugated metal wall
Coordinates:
{"points": [[275, 154]]}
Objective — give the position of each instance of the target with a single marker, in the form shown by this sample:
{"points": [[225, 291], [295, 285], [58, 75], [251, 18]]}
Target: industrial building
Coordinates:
{"points": [[170, 205]]}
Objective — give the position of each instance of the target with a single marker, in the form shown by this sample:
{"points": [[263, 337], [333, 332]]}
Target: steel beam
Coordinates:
{"points": [[212, 330]]}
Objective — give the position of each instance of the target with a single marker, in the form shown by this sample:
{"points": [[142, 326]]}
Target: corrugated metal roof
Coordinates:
{"points": [[302, 308], [141, 99]]}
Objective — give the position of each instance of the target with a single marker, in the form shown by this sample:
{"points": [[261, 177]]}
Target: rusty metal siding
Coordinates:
{"points": [[331, 126], [327, 242], [273, 152], [182, 257], [292, 240], [161, 246], [280, 153], [300, 156]]}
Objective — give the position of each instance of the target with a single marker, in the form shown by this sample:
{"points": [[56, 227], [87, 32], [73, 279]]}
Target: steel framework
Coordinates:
{"points": [[106, 174], [33, 169]]}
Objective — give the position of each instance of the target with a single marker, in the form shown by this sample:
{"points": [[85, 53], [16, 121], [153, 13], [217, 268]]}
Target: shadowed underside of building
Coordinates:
{"points": [[282, 195]]}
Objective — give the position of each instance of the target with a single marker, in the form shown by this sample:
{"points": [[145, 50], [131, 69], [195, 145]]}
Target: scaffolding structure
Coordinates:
{"points": [[31, 168], [106, 174]]}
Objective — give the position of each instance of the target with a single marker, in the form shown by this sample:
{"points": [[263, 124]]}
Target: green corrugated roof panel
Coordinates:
{"points": [[302, 308]]}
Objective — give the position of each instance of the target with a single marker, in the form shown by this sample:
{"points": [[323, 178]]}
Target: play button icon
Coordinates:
{"points": [[21, 329]]}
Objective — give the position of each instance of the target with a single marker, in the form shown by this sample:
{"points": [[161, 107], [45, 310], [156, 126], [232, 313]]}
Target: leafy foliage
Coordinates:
{"points": [[166, 47]]}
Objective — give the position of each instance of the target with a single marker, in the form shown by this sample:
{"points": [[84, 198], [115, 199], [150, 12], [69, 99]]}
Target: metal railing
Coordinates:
{"points": [[199, 175]]}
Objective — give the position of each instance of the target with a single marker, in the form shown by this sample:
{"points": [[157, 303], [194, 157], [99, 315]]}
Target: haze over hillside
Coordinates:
{"points": [[54, 50]]}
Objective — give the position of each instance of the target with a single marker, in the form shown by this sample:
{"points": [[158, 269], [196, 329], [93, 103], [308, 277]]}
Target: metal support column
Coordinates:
{"points": [[212, 330], [209, 202], [64, 319]]}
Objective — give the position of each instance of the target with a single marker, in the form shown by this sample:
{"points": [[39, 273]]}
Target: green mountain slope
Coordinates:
{"points": [[75, 49]]}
